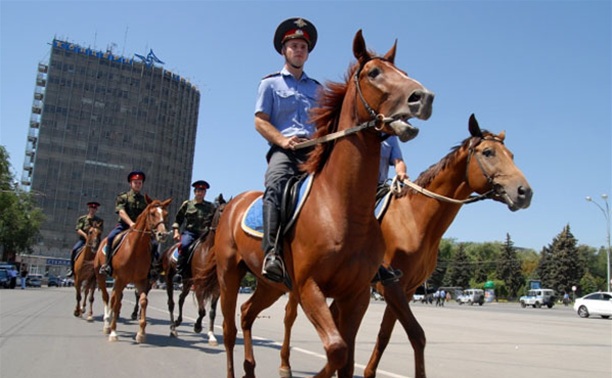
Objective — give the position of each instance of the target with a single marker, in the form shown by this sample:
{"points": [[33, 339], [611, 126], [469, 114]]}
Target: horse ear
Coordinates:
{"points": [[390, 55], [502, 135], [166, 202], [148, 199], [359, 48], [473, 126]]}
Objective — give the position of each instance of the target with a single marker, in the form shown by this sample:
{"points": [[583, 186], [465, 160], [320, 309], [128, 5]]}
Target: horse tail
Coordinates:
{"points": [[207, 281]]}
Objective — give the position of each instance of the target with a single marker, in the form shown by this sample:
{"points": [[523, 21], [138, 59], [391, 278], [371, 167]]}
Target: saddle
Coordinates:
{"points": [[295, 194]]}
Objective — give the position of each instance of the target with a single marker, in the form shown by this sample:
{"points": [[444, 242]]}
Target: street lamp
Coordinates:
{"points": [[606, 213]]}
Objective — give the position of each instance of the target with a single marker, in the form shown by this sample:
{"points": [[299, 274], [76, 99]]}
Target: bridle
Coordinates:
{"points": [[153, 227], [375, 118], [471, 152]]}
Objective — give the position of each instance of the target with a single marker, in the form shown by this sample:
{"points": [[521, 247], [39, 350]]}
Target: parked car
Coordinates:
{"points": [[51, 280], [12, 271], [538, 298], [34, 280], [471, 296], [5, 279], [599, 303]]}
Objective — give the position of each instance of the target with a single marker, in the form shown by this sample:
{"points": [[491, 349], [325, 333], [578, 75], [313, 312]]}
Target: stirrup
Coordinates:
{"points": [[273, 269]]}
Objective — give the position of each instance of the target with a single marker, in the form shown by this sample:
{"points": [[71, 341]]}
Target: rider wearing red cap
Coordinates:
{"points": [[128, 205], [82, 227], [284, 100]]}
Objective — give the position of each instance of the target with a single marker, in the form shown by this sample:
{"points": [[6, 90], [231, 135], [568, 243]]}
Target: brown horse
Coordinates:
{"points": [[84, 277], [335, 246], [131, 263], [416, 220]]}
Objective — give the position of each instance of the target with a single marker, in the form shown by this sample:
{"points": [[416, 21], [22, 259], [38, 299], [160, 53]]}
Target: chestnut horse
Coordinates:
{"points": [[335, 246], [84, 278], [417, 218], [131, 264], [197, 265]]}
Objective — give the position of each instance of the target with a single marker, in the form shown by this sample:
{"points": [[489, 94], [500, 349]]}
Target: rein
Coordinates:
{"points": [[490, 194], [375, 120]]}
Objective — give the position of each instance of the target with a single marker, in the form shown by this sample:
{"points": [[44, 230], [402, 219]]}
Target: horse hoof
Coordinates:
{"points": [[106, 330], [285, 372], [77, 313], [134, 316], [113, 337], [140, 338], [197, 329], [213, 342], [174, 334], [90, 319]]}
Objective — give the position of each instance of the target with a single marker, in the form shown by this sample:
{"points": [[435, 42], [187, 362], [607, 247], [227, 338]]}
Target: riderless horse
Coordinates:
{"points": [[418, 215], [335, 246]]}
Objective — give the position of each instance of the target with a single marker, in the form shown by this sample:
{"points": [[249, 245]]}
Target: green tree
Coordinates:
{"points": [[460, 272], [565, 264], [509, 268], [445, 251], [20, 219]]}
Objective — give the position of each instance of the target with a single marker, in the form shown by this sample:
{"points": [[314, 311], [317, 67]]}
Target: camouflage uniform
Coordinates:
{"points": [[196, 217]]}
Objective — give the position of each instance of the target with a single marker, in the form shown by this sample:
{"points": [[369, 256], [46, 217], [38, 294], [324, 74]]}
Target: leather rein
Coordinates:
{"points": [[395, 185]]}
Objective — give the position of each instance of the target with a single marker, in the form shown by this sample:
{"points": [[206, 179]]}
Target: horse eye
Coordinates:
{"points": [[373, 73], [488, 152]]}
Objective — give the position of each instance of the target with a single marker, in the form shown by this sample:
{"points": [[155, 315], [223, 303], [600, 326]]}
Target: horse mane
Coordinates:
{"points": [[427, 176], [325, 118]]}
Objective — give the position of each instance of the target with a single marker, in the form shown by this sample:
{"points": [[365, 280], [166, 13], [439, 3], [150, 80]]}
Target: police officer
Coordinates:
{"points": [[82, 227], [196, 216], [284, 100], [128, 205]]}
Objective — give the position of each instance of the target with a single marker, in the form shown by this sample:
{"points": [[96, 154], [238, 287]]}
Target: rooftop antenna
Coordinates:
{"points": [[124, 41]]}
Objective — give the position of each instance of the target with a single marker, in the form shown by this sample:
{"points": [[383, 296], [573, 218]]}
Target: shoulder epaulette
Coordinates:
{"points": [[271, 75]]}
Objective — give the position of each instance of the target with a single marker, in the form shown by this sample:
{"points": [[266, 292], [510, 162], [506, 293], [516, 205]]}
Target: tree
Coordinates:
{"points": [[20, 219], [509, 268], [564, 265], [460, 272]]}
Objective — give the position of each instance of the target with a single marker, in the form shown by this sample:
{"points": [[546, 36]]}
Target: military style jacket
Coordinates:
{"points": [[132, 203], [84, 223], [196, 216]]}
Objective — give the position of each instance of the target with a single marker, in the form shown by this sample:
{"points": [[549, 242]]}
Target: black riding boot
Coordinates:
{"points": [[71, 271], [107, 267], [386, 275], [273, 266], [180, 264]]}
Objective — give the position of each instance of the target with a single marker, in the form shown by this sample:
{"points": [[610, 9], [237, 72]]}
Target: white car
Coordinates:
{"points": [[599, 303]]}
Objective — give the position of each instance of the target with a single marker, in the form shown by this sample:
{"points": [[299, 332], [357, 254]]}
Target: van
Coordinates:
{"points": [[471, 296], [538, 298]]}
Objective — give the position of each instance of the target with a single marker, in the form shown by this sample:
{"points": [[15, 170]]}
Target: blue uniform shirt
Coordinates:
{"points": [[389, 151], [288, 101]]}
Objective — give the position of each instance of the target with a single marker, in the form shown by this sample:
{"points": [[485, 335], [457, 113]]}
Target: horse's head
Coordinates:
{"points": [[491, 167], [94, 234], [156, 213], [389, 93]]}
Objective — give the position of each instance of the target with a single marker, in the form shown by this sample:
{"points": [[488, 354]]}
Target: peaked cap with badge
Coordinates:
{"points": [[295, 28], [136, 175]]}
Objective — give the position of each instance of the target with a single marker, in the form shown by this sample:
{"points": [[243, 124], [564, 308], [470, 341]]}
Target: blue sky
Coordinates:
{"points": [[541, 70]]}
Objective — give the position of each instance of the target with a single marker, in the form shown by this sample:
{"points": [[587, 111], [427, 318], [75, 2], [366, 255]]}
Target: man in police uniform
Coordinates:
{"points": [[82, 227], [284, 100], [128, 205], [196, 214]]}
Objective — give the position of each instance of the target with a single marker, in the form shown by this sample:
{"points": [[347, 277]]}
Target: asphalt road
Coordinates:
{"points": [[39, 337]]}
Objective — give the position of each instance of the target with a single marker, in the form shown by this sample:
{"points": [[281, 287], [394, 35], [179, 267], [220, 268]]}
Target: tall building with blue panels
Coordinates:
{"points": [[96, 117]]}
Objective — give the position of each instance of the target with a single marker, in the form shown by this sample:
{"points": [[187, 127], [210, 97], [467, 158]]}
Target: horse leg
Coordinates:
{"points": [[197, 326], [315, 307], [229, 298], [262, 298], [181, 302], [170, 295], [141, 336], [212, 340], [349, 316], [134, 315], [115, 304], [77, 287], [92, 290], [398, 302], [290, 315]]}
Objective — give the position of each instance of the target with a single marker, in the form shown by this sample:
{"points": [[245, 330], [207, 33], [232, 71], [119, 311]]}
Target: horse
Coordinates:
{"points": [[197, 264], [132, 263], [335, 246], [84, 278], [417, 217]]}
